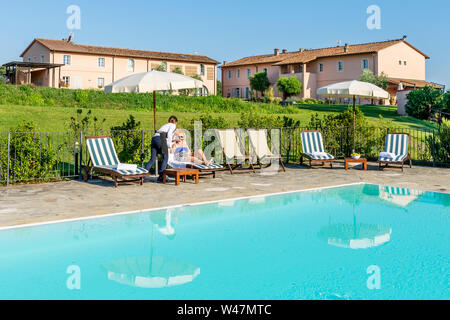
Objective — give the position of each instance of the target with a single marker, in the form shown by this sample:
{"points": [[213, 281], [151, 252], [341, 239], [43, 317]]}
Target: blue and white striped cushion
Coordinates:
{"points": [[211, 166], [102, 152], [138, 170], [316, 157], [397, 191], [103, 155], [396, 144], [312, 142]]}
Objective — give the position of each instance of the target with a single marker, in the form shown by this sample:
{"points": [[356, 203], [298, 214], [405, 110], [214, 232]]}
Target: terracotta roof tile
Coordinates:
{"points": [[313, 54], [63, 45]]}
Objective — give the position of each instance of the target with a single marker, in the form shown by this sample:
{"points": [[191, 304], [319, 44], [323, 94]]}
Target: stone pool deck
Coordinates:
{"points": [[33, 203]]}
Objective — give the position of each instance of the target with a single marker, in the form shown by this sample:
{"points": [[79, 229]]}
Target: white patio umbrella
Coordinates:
{"points": [[353, 89], [151, 82]]}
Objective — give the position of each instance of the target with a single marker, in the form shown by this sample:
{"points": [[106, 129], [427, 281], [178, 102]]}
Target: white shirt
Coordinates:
{"points": [[169, 128]]}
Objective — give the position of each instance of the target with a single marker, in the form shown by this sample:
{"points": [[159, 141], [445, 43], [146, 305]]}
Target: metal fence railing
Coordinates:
{"points": [[47, 156]]}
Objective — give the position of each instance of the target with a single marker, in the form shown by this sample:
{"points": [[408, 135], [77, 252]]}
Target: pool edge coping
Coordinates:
{"points": [[34, 224]]}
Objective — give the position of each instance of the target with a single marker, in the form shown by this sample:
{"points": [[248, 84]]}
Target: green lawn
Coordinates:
{"points": [[51, 118]]}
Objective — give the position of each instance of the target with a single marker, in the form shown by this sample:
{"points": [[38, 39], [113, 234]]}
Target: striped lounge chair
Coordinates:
{"points": [[396, 144], [313, 150], [104, 159]]}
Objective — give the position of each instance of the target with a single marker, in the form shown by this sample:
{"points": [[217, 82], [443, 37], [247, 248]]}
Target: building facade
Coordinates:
{"points": [[315, 68], [93, 67]]}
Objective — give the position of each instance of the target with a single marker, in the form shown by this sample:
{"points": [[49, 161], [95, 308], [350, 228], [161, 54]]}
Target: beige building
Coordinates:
{"points": [[63, 63], [315, 68]]}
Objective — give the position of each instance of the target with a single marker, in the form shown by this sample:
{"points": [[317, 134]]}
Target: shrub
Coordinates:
{"points": [[441, 144], [128, 141], [31, 155], [423, 102], [269, 96], [337, 131], [81, 96], [210, 122]]}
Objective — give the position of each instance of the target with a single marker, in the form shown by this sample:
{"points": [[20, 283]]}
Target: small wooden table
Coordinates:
{"points": [[182, 172], [360, 160]]}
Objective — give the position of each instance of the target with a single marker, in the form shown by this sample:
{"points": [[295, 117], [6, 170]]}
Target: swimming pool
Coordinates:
{"points": [[353, 242]]}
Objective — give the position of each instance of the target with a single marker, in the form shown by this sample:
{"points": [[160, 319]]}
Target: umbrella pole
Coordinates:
{"points": [[154, 110], [354, 122]]}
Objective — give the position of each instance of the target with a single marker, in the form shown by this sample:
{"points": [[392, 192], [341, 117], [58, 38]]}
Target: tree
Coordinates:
{"points": [[177, 70], [219, 88], [423, 102], [162, 67], [446, 103], [378, 80], [259, 82], [2, 74], [289, 86]]}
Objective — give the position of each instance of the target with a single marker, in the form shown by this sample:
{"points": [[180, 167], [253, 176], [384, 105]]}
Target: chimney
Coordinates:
{"points": [[404, 37], [224, 62], [284, 51], [346, 47], [276, 51], [301, 50]]}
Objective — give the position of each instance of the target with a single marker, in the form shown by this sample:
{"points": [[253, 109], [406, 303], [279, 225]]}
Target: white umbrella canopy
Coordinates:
{"points": [[153, 81], [353, 89], [350, 89]]}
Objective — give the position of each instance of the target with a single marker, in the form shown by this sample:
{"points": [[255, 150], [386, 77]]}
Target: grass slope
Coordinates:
{"points": [[51, 118]]}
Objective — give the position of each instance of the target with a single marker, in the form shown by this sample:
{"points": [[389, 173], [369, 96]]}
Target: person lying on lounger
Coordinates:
{"points": [[182, 153]]}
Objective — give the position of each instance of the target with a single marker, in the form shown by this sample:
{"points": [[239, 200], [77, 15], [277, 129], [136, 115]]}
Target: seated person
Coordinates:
{"points": [[181, 152]]}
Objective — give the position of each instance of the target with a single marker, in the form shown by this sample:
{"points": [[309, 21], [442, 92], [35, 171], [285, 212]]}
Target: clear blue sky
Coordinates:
{"points": [[228, 30]]}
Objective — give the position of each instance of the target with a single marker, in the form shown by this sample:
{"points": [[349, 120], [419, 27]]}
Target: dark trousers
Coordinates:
{"points": [[158, 147]]}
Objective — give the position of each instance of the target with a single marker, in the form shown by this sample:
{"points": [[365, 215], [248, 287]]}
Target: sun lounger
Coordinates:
{"points": [[234, 158], [104, 159], [395, 151], [260, 147], [313, 150]]}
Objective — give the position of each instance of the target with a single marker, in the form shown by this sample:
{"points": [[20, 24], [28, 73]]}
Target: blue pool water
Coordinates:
{"points": [[353, 242]]}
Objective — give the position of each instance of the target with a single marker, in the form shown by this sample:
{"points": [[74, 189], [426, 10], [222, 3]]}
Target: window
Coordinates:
{"points": [[101, 62], [249, 73], [230, 73], [365, 64], [101, 82], [42, 59], [29, 59], [66, 60], [238, 73], [404, 63], [320, 67], [237, 92], [340, 66], [34, 59], [202, 69], [66, 81], [247, 93], [400, 62], [130, 65]]}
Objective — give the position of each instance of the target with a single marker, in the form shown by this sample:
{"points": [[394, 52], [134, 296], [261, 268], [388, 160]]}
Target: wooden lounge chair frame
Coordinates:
{"points": [[117, 177], [396, 164], [312, 161]]}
